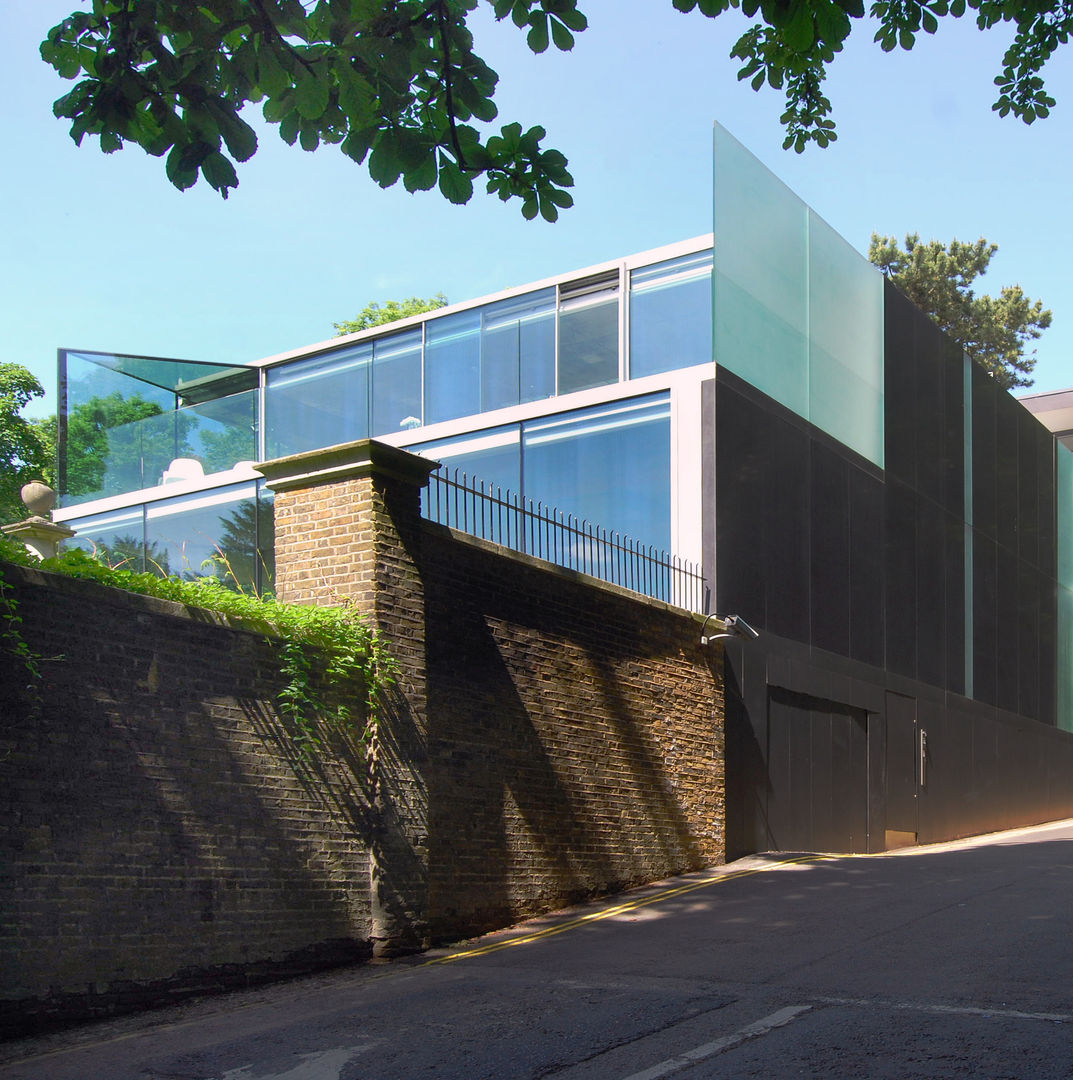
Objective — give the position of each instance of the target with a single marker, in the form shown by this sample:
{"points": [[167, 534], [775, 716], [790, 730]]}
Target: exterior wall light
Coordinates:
{"points": [[734, 627]]}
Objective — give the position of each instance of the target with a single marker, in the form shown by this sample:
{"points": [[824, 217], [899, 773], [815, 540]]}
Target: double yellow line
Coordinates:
{"points": [[621, 909]]}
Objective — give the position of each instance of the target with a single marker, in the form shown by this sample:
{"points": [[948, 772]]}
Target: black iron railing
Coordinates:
{"points": [[501, 516]]}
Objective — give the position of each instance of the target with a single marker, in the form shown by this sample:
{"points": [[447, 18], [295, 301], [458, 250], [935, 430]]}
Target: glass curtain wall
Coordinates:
{"points": [[609, 465], [226, 533], [319, 401], [125, 421], [396, 383], [671, 315], [588, 333]]}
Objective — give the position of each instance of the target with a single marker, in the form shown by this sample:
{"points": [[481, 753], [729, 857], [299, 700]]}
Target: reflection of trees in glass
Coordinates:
{"points": [[92, 450], [223, 449], [238, 554], [125, 553]]}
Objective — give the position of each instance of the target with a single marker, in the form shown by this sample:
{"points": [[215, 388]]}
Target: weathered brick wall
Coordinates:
{"points": [[159, 833], [549, 739], [575, 738]]}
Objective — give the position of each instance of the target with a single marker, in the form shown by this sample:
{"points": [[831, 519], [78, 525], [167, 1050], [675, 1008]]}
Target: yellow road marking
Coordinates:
{"points": [[619, 909]]}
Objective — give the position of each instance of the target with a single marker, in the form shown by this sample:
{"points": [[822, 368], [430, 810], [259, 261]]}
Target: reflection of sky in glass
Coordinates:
{"points": [[671, 315], [187, 533], [319, 401]]}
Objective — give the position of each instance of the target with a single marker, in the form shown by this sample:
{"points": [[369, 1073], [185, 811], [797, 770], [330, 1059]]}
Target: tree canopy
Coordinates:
{"points": [[938, 278], [24, 452], [375, 314], [397, 85]]}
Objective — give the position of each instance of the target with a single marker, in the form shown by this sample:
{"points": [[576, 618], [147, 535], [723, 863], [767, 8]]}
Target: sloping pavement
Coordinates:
{"points": [[948, 961]]}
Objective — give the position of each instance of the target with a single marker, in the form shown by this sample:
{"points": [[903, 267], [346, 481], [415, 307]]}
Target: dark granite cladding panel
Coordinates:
{"points": [[985, 616], [830, 552], [1027, 631], [899, 340], [1027, 489], [866, 592], [954, 543], [741, 456], [983, 453], [1007, 657], [1045, 509], [762, 511], [1048, 651], [1007, 415], [901, 580], [784, 530], [929, 411], [953, 428], [931, 593]]}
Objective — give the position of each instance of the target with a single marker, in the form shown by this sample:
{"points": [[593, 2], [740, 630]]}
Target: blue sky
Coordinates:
{"points": [[100, 252]]}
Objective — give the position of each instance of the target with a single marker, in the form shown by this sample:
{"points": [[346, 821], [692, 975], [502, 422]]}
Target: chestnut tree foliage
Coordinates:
{"points": [[398, 87], [938, 278]]}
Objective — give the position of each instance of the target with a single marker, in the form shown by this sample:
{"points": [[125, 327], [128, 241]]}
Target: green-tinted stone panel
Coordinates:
{"points": [[845, 342], [760, 281], [797, 312]]}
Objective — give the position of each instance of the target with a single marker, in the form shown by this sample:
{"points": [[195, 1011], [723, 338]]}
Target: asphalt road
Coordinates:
{"points": [[950, 961]]}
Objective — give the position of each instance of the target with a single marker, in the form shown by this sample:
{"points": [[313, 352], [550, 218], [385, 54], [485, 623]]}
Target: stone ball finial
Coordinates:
{"points": [[39, 498]]}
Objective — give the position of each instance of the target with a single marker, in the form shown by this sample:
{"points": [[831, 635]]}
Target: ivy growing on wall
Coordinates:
{"points": [[326, 653]]}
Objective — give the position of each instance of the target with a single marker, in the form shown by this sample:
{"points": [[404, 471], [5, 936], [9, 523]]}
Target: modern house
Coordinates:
{"points": [[898, 528]]}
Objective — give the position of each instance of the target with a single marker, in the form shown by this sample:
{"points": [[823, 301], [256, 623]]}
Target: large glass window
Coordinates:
{"points": [[124, 420], [609, 465], [671, 315], [209, 534], [452, 366], [396, 382], [116, 539], [492, 456], [318, 402], [588, 333], [518, 350]]}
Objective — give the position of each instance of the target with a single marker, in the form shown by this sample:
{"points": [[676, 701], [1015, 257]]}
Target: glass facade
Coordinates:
{"points": [[125, 421], [609, 465], [317, 401], [671, 315], [226, 533], [797, 312]]}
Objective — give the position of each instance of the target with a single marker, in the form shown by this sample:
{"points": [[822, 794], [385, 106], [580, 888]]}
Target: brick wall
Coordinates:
{"points": [[159, 834], [575, 742], [549, 739]]}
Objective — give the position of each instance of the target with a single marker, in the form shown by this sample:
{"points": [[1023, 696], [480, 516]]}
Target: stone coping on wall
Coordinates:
{"points": [[362, 457]]}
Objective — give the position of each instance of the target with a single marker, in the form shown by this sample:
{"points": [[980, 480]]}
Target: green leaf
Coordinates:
{"points": [[455, 186], [179, 169], [799, 33], [423, 177], [384, 165], [537, 37], [562, 37], [311, 96], [271, 76], [219, 172]]}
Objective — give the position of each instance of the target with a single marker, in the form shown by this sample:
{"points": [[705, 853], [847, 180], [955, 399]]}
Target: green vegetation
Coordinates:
{"points": [[398, 87], [392, 310], [331, 647], [938, 279], [24, 449]]}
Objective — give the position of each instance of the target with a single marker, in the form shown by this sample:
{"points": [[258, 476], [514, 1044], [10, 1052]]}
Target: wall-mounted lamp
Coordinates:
{"points": [[734, 627]]}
